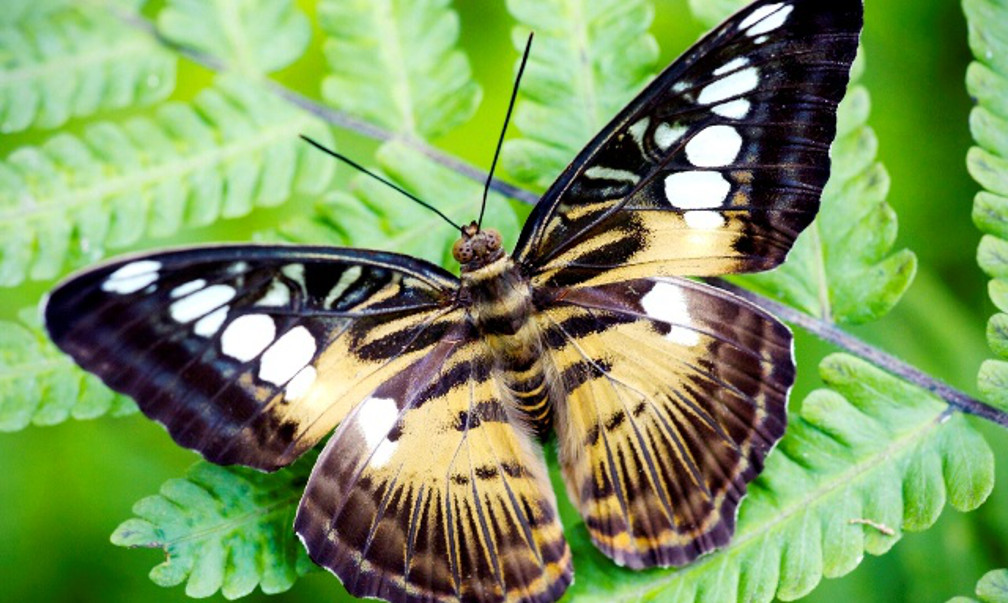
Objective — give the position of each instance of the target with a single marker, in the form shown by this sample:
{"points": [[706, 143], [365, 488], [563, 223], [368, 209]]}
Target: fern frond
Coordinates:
{"points": [[235, 147], [23, 11], [39, 385], [987, 81], [992, 588], [574, 82], [223, 528], [252, 37], [396, 64], [376, 217], [842, 268], [860, 463], [76, 62]]}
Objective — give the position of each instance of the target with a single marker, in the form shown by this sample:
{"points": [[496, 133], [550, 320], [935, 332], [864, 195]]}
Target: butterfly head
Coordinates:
{"points": [[477, 247]]}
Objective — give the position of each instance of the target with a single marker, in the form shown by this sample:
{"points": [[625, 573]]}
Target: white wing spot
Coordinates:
{"points": [[247, 336], [696, 190], [298, 386], [295, 272], [211, 323], [277, 296], [374, 421], [637, 131], [187, 288], [598, 172], [732, 65], [666, 135], [287, 356], [667, 302], [771, 22], [759, 14], [348, 278], [715, 146], [704, 220], [238, 267], [132, 277], [736, 84], [201, 303], [736, 109]]}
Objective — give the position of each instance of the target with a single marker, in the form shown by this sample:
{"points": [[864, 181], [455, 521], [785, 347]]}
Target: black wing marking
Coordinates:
{"points": [[250, 354], [717, 166]]}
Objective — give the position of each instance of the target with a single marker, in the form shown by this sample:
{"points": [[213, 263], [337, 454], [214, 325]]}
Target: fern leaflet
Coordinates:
{"points": [[70, 198], [396, 64], [223, 528], [253, 37], [987, 81], [75, 63], [41, 386]]}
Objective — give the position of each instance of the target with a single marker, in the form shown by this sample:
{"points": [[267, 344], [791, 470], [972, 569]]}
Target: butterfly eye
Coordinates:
{"points": [[462, 251], [493, 240]]}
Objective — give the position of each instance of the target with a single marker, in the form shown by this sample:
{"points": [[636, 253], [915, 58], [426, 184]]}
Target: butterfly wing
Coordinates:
{"points": [[676, 392], [251, 354], [428, 491], [716, 166]]}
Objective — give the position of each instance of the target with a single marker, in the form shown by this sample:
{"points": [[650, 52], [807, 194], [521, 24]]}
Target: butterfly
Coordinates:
{"points": [[665, 394]]}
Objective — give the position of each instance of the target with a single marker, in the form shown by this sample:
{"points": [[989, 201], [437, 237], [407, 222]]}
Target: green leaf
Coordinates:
{"points": [[992, 588], [252, 37], [41, 386], [987, 82], [861, 462], [396, 64], [842, 269], [235, 147], [24, 11], [374, 216], [75, 63], [576, 79], [223, 528]]}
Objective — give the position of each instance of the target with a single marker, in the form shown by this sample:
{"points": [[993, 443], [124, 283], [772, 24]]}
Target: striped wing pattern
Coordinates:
{"points": [[247, 354], [714, 168], [429, 492], [676, 392]]}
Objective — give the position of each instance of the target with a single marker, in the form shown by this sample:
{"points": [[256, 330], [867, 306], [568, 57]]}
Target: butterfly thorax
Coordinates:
{"points": [[500, 306]]}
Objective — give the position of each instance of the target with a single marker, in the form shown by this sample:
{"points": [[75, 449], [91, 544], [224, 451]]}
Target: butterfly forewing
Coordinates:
{"points": [[717, 166], [429, 491], [676, 392], [251, 354]]}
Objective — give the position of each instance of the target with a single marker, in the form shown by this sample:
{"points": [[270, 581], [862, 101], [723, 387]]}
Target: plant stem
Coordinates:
{"points": [[830, 332], [823, 329]]}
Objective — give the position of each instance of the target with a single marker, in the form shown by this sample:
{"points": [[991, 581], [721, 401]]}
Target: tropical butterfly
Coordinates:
{"points": [[665, 394]]}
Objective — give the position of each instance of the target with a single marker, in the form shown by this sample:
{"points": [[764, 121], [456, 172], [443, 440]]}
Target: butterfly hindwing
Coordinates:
{"points": [[716, 166], [429, 492], [676, 392], [250, 354]]}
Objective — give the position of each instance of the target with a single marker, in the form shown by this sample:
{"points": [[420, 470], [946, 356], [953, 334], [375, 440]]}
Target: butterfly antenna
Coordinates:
{"points": [[507, 118], [384, 181]]}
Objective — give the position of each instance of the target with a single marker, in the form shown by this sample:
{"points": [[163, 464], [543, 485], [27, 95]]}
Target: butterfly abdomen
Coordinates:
{"points": [[502, 311]]}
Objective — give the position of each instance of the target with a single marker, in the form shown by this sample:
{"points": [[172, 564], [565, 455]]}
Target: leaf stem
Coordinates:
{"points": [[823, 329], [831, 333]]}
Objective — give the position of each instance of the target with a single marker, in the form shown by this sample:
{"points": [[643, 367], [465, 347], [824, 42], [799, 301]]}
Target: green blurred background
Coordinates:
{"points": [[64, 489]]}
